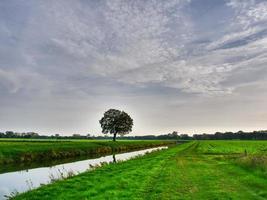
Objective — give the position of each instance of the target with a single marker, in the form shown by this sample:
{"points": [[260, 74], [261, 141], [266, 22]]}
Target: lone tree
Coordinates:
{"points": [[116, 122]]}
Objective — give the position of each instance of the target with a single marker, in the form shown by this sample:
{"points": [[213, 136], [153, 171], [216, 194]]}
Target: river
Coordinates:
{"points": [[23, 180]]}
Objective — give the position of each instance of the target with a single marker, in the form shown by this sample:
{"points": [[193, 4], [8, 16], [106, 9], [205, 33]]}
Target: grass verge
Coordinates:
{"points": [[182, 172]]}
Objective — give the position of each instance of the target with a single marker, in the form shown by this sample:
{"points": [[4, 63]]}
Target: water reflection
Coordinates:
{"points": [[24, 180], [114, 158]]}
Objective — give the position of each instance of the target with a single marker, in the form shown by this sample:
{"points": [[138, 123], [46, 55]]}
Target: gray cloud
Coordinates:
{"points": [[60, 58]]}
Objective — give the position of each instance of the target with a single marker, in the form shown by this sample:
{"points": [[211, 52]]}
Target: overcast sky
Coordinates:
{"points": [[188, 65]]}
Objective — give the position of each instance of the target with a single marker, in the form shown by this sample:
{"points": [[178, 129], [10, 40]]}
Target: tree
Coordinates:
{"points": [[116, 122]]}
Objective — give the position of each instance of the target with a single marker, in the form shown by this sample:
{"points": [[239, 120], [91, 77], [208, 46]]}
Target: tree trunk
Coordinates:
{"points": [[114, 137]]}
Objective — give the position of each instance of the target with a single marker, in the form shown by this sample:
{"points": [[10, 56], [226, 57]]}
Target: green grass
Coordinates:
{"points": [[188, 171], [25, 151], [232, 147], [251, 155]]}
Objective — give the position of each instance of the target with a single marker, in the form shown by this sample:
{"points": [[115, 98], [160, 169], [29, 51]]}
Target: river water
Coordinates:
{"points": [[24, 180]]}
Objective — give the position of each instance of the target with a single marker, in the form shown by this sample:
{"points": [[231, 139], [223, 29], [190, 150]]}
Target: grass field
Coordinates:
{"points": [[23, 151], [195, 170]]}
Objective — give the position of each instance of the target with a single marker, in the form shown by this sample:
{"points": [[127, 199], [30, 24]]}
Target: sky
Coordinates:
{"points": [[192, 66]]}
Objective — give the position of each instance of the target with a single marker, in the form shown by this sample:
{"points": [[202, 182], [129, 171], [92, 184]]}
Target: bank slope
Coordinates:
{"points": [[28, 151]]}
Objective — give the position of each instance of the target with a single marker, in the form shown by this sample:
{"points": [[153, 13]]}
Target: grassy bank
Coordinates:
{"points": [[195, 170], [25, 151]]}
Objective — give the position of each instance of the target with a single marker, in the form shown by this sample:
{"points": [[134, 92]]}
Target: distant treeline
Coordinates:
{"points": [[33, 135], [173, 135], [240, 135]]}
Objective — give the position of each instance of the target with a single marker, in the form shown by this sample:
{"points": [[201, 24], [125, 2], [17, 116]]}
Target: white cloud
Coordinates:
{"points": [[140, 43], [231, 37], [249, 12], [154, 58], [15, 80]]}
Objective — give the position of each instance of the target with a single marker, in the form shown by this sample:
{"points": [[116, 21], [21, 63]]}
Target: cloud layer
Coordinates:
{"points": [[87, 51]]}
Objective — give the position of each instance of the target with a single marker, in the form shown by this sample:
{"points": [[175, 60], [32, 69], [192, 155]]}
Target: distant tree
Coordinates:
{"points": [[33, 134], [10, 134], [175, 135], [116, 122], [76, 136], [185, 137]]}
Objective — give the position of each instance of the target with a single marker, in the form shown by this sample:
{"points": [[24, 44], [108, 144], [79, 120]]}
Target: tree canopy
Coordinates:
{"points": [[116, 122]]}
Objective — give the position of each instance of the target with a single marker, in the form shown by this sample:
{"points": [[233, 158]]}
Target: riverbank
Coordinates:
{"points": [[28, 151], [25, 180], [194, 170]]}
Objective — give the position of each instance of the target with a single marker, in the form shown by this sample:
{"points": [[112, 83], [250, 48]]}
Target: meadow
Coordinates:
{"points": [[193, 170], [34, 150]]}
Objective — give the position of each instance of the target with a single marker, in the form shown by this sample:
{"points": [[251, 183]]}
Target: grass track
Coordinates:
{"points": [[182, 172]]}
